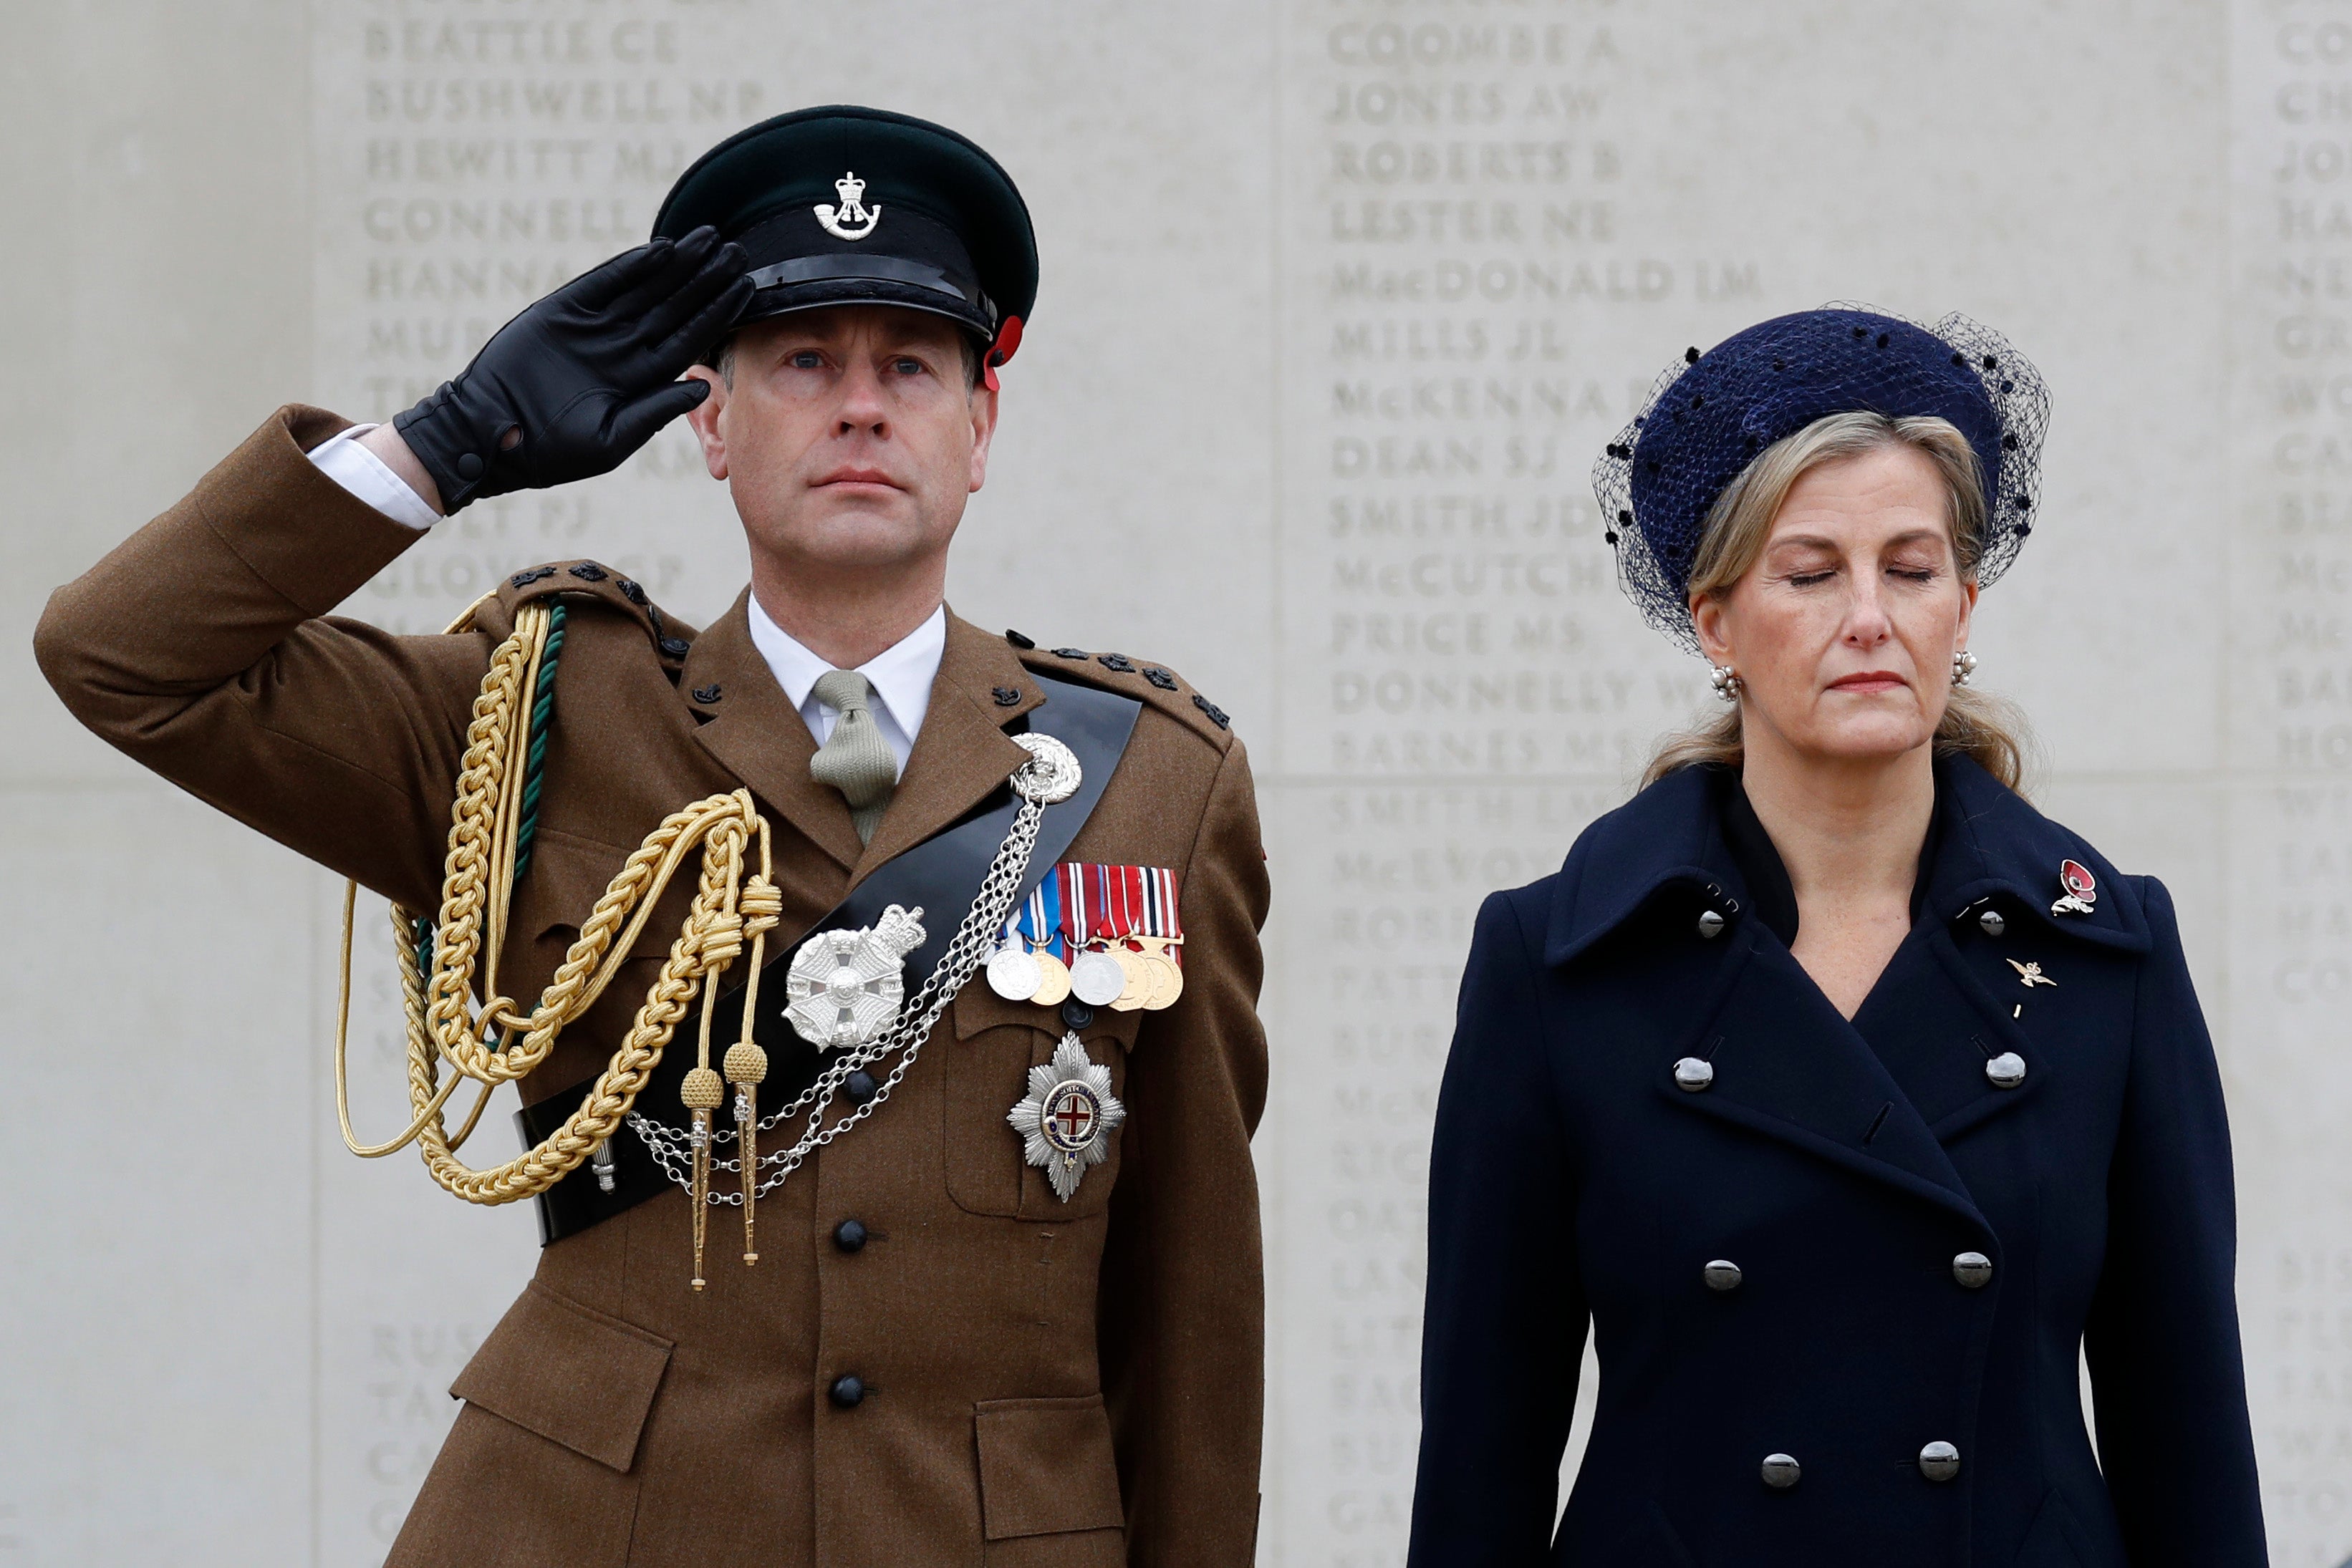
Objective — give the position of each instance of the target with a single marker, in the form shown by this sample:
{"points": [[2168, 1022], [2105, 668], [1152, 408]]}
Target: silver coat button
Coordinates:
{"points": [[1710, 923], [1722, 1275], [1939, 1461], [1993, 923], [1780, 1471], [1692, 1074], [2005, 1070], [1973, 1269]]}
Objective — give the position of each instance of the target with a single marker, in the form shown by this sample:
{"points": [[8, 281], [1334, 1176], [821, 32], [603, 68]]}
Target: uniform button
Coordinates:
{"points": [[1075, 1014], [1939, 1461], [2005, 1070], [1710, 923], [1993, 923], [1692, 1074], [1722, 1275], [1972, 1269], [1780, 1471], [847, 1392], [860, 1086], [470, 466], [849, 1235]]}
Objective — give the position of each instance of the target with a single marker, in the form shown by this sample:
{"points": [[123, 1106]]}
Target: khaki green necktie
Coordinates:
{"points": [[855, 758]]}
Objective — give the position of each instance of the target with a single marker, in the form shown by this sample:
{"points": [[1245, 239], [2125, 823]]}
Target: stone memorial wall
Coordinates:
{"points": [[1340, 299], [2286, 744]]}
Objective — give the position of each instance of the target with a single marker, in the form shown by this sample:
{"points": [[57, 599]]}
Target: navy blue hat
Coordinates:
{"points": [[1708, 418], [846, 205]]}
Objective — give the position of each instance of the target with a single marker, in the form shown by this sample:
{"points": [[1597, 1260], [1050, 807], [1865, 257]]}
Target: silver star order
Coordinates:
{"points": [[2031, 975], [1068, 1120], [846, 987]]}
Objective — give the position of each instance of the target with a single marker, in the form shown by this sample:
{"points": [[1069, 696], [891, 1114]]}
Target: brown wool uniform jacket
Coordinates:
{"points": [[1076, 1384]]}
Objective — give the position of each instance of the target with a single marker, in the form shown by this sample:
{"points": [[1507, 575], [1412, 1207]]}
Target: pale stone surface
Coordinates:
{"points": [[1340, 298]]}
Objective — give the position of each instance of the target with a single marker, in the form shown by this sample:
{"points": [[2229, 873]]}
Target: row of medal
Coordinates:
{"points": [[1107, 935]]}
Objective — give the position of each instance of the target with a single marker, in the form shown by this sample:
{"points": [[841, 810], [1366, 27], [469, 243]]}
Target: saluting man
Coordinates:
{"points": [[1007, 1304]]}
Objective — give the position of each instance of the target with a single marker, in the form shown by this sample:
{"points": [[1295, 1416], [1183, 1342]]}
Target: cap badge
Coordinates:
{"points": [[2082, 892], [852, 220]]}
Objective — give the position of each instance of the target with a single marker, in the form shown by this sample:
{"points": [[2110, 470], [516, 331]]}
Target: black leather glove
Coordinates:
{"points": [[578, 381]]}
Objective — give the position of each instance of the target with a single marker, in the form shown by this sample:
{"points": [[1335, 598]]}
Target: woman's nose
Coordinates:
{"points": [[1866, 620]]}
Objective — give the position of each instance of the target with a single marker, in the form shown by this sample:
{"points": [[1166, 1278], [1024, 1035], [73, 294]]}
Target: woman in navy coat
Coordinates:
{"points": [[1846, 1093]]}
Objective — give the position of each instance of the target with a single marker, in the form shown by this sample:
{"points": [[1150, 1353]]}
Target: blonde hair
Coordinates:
{"points": [[1976, 724]]}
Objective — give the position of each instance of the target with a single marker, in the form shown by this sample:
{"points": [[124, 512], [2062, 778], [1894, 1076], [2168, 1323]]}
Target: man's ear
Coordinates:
{"points": [[704, 417], [984, 431]]}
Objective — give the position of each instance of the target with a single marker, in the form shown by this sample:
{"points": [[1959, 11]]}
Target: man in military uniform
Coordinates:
{"points": [[953, 1348]]}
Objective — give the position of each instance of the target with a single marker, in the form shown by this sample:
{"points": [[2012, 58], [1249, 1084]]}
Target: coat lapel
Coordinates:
{"points": [[1940, 1020], [1787, 1064], [757, 735], [964, 754], [1884, 1093], [1934, 1027]]}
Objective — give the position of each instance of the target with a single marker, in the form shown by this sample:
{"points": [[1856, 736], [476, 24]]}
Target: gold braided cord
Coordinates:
{"points": [[415, 990], [497, 1043]]}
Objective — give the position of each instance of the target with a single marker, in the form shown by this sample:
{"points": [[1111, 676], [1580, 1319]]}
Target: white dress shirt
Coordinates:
{"points": [[342, 459], [901, 675]]}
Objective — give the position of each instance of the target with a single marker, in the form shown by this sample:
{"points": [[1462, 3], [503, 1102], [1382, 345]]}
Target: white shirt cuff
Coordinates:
{"points": [[342, 459]]}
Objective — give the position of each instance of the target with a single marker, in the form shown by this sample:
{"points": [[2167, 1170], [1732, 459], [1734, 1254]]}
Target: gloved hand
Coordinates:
{"points": [[578, 381]]}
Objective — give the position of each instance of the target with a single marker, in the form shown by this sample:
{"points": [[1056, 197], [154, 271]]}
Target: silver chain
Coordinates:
{"points": [[999, 890]]}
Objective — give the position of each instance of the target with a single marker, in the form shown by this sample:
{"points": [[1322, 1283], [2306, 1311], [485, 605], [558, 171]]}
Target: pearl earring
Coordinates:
{"points": [[1726, 682], [1964, 664]]}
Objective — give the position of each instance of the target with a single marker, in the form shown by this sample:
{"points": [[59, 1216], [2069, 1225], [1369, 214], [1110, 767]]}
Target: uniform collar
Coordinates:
{"points": [[901, 675], [962, 753], [1989, 845]]}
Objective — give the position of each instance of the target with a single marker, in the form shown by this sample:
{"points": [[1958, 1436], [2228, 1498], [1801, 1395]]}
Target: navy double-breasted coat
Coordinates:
{"points": [[1843, 1169]]}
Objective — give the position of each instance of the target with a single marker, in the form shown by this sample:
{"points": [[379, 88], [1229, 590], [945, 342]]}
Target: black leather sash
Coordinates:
{"points": [[942, 875]]}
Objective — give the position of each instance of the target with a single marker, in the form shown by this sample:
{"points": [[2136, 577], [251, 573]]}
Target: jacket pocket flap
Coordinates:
{"points": [[569, 1374], [568, 874], [1046, 1466], [976, 1008]]}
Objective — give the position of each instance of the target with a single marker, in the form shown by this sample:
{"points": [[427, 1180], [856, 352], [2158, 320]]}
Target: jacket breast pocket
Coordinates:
{"points": [[993, 1045], [553, 899], [1049, 1484], [560, 889]]}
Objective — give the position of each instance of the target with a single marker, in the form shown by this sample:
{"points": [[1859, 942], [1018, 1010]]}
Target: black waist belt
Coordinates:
{"points": [[942, 875]]}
